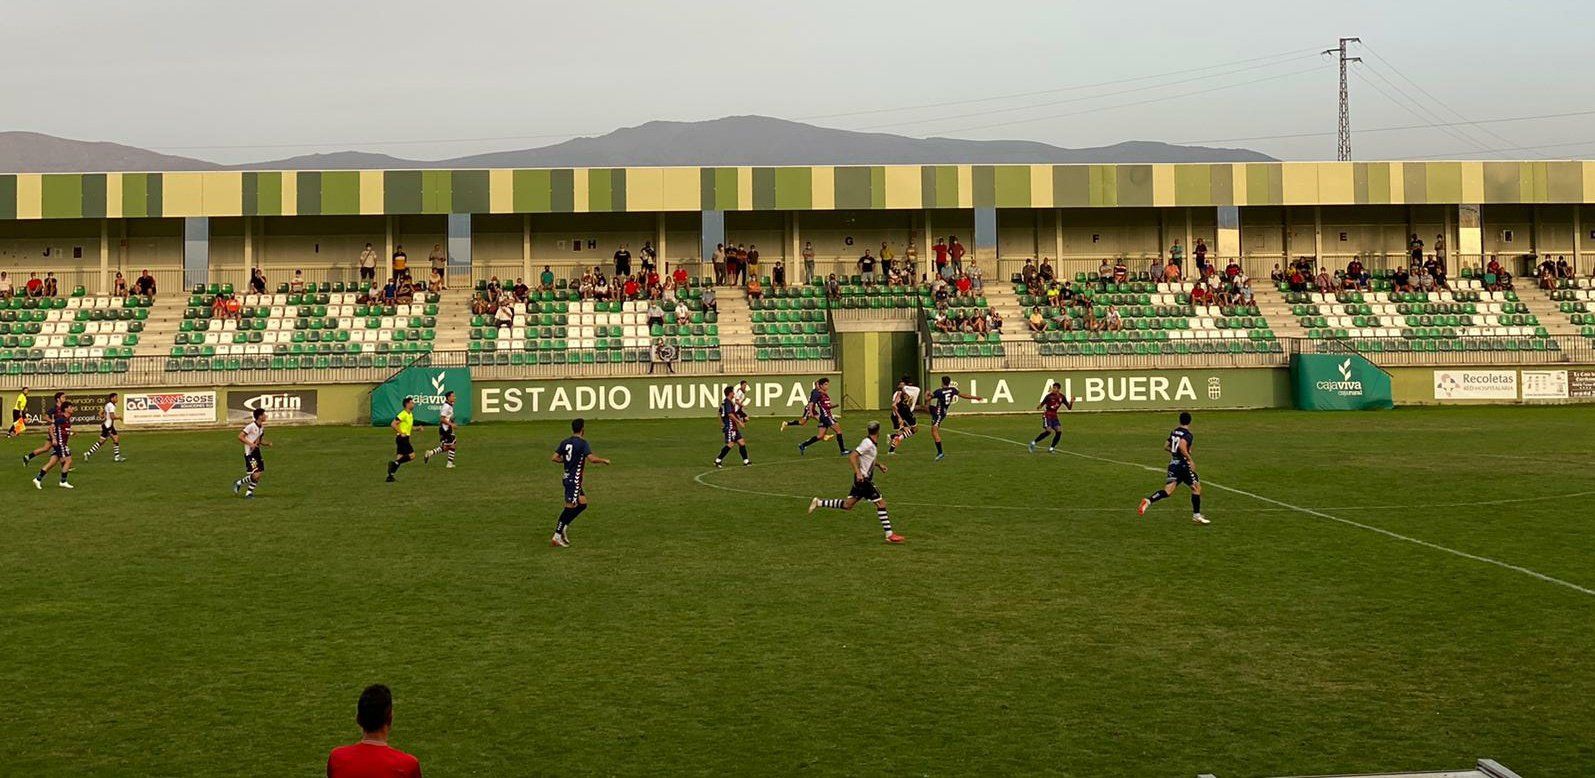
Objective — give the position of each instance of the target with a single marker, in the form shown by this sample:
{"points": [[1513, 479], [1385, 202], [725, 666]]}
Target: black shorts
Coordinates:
{"points": [[108, 432], [15, 415], [865, 490], [1181, 473], [573, 489], [60, 450], [368, 273], [904, 418], [446, 436], [255, 462], [401, 444]]}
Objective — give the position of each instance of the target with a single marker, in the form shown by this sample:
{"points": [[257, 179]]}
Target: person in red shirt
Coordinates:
{"points": [[680, 275], [372, 757], [34, 287], [630, 289], [963, 285]]}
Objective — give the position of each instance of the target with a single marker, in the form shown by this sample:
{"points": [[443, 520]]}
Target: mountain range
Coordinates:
{"points": [[729, 141]]}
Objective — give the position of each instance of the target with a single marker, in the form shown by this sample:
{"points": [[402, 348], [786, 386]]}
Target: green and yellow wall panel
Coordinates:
{"points": [[820, 187]]}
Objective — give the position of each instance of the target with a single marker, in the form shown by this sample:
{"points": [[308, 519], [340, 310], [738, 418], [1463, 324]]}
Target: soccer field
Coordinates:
{"points": [[1377, 591]]}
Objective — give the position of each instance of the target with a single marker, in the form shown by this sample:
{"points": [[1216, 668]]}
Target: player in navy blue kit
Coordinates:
{"points": [[940, 402], [731, 424], [1182, 470], [808, 409], [1049, 406], [819, 408], [60, 439], [573, 454]]}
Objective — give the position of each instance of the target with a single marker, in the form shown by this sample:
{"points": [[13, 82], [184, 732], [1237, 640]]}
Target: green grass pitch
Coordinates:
{"points": [[153, 623]]}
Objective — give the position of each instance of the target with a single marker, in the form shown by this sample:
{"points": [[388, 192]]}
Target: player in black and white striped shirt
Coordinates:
{"points": [[865, 461], [108, 432], [446, 435]]}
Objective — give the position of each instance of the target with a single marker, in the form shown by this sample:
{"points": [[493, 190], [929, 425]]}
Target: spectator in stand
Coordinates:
{"points": [[709, 301], [1176, 254], [1121, 271], [439, 261], [368, 264], [1171, 273], [434, 282], [1547, 274], [372, 756], [910, 260], [1562, 268], [1233, 269], [943, 264], [401, 262], [808, 261], [1298, 279], [649, 256], [1037, 322], [994, 322], [622, 261], [733, 266], [521, 290], [1246, 297], [1415, 249], [1104, 274], [963, 284], [755, 290], [718, 261], [978, 323], [1154, 269], [601, 289], [1029, 274], [1088, 314], [51, 289], [235, 309], [778, 274], [942, 322], [504, 316], [34, 287], [955, 251], [390, 291], [1421, 280], [751, 265], [833, 289], [406, 292], [888, 258], [866, 267], [1201, 254], [656, 314], [545, 281], [257, 281], [630, 289], [680, 276], [1401, 279], [1199, 295], [494, 287], [1276, 275], [145, 285], [118, 286], [1357, 274], [7, 290], [1045, 271], [218, 307], [1439, 248], [683, 316], [977, 279], [297, 283], [1113, 323]]}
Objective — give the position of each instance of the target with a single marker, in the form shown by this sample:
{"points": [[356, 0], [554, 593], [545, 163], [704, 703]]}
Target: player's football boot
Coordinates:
{"points": [[814, 504], [1200, 519], [895, 538], [1145, 503]]}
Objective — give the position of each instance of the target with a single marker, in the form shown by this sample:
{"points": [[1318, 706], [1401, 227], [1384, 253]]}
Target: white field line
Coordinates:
{"points": [[1320, 514]]}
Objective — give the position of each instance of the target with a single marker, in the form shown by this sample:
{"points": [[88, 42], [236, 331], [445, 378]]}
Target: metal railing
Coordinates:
{"points": [[175, 372]]}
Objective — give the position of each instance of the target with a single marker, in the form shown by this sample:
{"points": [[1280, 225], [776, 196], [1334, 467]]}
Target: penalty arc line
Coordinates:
{"points": [[1320, 514]]}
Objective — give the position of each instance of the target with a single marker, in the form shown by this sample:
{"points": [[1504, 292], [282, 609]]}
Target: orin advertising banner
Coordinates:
{"points": [[142, 408], [427, 385], [87, 407], [642, 398], [1112, 390], [1343, 382], [1544, 384], [292, 406], [1475, 385]]}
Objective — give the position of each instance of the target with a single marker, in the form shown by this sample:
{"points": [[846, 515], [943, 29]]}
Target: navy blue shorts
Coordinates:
{"points": [[731, 434], [573, 489], [60, 450], [1051, 424], [826, 421], [937, 414], [1181, 473]]}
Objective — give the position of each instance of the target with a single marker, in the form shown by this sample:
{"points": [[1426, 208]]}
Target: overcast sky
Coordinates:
{"points": [[236, 81]]}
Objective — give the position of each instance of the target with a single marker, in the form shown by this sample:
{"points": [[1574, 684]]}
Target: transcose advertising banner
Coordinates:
{"points": [[155, 409]]}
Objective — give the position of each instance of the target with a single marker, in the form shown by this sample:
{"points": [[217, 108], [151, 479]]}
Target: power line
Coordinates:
{"points": [[1425, 115], [1082, 98], [1425, 126], [1343, 127], [1074, 88], [1452, 154], [1437, 101], [1135, 103]]}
